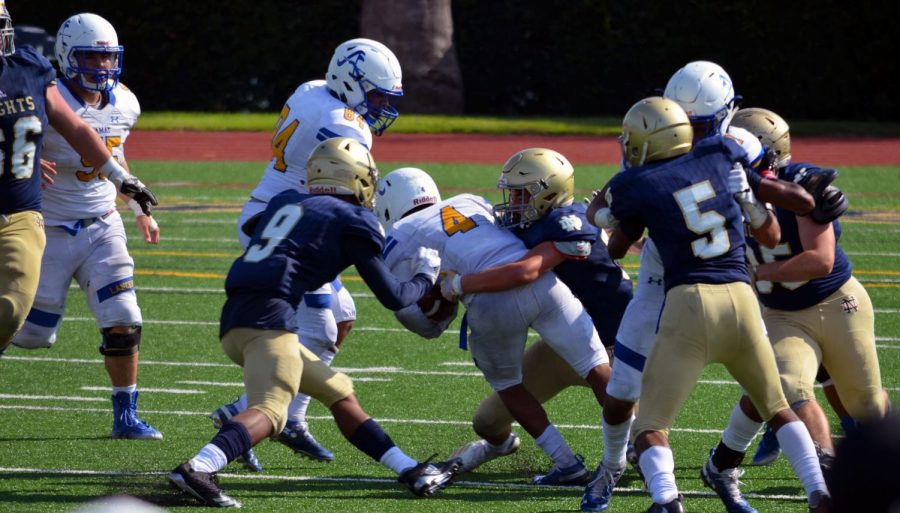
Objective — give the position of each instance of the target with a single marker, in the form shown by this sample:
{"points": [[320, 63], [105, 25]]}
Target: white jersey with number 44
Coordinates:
{"points": [[461, 229], [310, 116], [78, 192]]}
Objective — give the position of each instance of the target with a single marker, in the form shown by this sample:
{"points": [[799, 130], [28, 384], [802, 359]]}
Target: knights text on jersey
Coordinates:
{"points": [[24, 77], [310, 116], [692, 218], [797, 295], [78, 191], [301, 242]]}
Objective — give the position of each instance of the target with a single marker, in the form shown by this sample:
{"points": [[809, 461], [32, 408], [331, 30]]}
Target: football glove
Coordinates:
{"points": [[136, 190], [755, 212], [427, 261], [451, 286], [830, 201]]}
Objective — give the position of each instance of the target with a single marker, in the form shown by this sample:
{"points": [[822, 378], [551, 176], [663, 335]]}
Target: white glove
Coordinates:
{"points": [[737, 179], [604, 218], [755, 212], [427, 261], [451, 286]]}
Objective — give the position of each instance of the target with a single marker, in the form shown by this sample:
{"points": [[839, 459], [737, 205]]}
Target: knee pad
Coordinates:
{"points": [[120, 344]]}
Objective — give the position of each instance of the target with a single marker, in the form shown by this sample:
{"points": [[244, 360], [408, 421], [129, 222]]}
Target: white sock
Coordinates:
{"points": [[798, 448], [297, 409], [553, 444], [658, 466], [397, 460], [130, 389], [209, 459], [615, 442], [741, 430]]}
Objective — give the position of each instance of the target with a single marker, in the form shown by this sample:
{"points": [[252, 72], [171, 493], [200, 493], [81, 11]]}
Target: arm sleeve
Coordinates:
{"points": [[389, 291]]}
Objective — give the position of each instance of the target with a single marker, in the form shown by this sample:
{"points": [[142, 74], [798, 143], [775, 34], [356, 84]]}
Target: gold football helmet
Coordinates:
{"points": [[654, 128], [771, 130], [533, 181], [343, 166], [7, 33]]}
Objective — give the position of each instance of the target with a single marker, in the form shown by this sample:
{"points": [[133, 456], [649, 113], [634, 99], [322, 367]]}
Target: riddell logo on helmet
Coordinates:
{"points": [[423, 200], [323, 189]]}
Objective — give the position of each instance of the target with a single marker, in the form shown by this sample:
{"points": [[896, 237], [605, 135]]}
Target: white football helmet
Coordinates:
{"points": [[85, 34], [705, 92], [654, 128], [7, 32], [360, 66], [771, 130], [533, 181], [403, 190], [343, 166]]}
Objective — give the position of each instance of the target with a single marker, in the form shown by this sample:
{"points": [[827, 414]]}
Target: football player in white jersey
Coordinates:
{"points": [[85, 236], [464, 232], [354, 100]]}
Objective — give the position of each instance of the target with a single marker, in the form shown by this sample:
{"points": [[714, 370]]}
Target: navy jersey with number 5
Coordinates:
{"points": [[301, 242], [24, 77], [589, 272], [693, 219], [797, 295]]}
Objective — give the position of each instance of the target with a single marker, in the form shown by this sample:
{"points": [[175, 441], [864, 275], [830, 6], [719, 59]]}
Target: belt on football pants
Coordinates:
{"points": [[84, 223]]}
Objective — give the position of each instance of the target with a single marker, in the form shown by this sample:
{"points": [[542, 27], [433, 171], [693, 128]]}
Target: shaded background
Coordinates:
{"points": [[803, 59]]}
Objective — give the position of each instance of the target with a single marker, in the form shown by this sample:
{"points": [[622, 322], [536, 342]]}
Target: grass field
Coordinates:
{"points": [[55, 453]]}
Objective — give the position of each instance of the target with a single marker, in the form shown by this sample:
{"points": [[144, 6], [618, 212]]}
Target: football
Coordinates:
{"points": [[435, 306]]}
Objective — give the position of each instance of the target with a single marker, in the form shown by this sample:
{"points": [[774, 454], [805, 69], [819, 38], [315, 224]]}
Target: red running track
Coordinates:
{"points": [[483, 149]]}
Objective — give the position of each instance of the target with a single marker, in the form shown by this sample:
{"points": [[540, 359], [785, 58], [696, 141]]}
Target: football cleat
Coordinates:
{"points": [[598, 492], [819, 502], [296, 436], [726, 485], [768, 449], [221, 415], [126, 423], [573, 475], [425, 479], [250, 461], [674, 506], [477, 453], [201, 485]]}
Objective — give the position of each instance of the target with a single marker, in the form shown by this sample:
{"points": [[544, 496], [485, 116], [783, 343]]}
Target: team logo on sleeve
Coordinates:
{"points": [[570, 223], [849, 304]]}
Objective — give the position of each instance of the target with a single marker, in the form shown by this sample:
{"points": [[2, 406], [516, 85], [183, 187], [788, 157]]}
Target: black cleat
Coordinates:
{"points": [[425, 479], [674, 506], [201, 485]]}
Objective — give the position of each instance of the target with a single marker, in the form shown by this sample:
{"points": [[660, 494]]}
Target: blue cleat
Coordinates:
{"points": [[300, 440], [599, 491], [726, 485], [221, 414], [126, 423], [768, 449], [573, 475]]}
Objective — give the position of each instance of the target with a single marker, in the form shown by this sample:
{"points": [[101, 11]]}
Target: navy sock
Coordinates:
{"points": [[372, 440], [233, 440]]}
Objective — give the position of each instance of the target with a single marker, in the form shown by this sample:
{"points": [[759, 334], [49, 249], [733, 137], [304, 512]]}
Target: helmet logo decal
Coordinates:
{"points": [[354, 59]]}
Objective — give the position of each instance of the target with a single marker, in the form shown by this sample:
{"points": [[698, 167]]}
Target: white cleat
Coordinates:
{"points": [[477, 453]]}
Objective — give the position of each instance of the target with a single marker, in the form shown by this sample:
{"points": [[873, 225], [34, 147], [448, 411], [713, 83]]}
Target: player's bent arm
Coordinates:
{"points": [[816, 260], [390, 292], [769, 234], [786, 195], [527, 269], [619, 242]]}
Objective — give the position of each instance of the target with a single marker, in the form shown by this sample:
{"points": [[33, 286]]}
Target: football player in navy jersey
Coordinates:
{"points": [[539, 186], [298, 243], [681, 194], [30, 101], [815, 311]]}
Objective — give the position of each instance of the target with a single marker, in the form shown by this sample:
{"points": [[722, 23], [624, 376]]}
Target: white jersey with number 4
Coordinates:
{"points": [[78, 192], [461, 229], [310, 116]]}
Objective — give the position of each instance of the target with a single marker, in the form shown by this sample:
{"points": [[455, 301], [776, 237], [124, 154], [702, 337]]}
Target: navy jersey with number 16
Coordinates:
{"points": [[694, 221]]}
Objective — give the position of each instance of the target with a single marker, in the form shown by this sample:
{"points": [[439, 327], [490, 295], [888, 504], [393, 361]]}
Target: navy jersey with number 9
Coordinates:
{"points": [[301, 242], [693, 219]]}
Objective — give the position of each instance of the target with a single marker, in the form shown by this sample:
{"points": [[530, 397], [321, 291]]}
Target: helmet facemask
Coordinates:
{"points": [[380, 113], [7, 32], [95, 78]]}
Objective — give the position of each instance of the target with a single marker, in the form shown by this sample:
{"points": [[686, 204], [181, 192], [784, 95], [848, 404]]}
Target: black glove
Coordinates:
{"points": [[830, 201], [136, 190]]}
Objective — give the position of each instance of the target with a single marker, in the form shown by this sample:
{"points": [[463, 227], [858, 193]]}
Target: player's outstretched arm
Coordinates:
{"points": [[391, 292], [527, 269]]}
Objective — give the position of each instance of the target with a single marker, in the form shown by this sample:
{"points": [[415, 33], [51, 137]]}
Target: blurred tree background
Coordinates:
{"points": [[823, 59]]}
